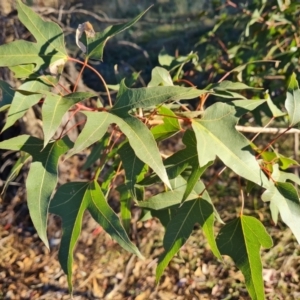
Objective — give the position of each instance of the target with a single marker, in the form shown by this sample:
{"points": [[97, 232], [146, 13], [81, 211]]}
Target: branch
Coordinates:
{"points": [[265, 130], [249, 129]]}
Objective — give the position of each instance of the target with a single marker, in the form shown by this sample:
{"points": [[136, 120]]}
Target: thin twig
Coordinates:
{"points": [[213, 180], [266, 130], [79, 75], [123, 282], [258, 133], [248, 129], [272, 142], [98, 74]]}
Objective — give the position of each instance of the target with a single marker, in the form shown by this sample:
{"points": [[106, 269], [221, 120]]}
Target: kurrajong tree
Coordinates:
{"points": [[143, 117]]}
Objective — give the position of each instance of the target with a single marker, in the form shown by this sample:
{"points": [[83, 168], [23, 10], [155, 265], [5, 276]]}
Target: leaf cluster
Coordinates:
{"points": [[124, 139]]}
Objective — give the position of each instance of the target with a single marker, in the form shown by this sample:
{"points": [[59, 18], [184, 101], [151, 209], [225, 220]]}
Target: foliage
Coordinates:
{"points": [[258, 40], [144, 117]]}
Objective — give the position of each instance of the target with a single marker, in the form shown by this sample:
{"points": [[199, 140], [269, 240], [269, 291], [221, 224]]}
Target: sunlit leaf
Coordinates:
{"points": [[292, 102], [139, 136], [286, 162], [169, 198], [48, 49], [229, 85], [160, 76], [216, 136], [241, 107], [94, 129], [54, 108], [276, 112], [142, 142], [169, 127], [22, 102], [284, 199], [172, 63], [128, 99], [22, 71]]}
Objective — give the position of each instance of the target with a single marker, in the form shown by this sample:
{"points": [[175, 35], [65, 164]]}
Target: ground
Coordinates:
{"points": [[104, 271]]}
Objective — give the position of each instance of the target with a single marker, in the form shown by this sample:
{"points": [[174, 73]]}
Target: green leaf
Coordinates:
{"points": [[289, 176], [180, 228], [241, 239], [179, 161], [142, 142], [292, 102], [172, 63], [169, 127], [70, 202], [95, 45], [284, 199], [134, 168], [107, 218], [232, 86], [165, 215], [125, 206], [48, 51], [276, 112], [286, 162], [193, 178], [289, 210], [288, 191], [22, 71], [96, 152], [164, 58], [145, 97], [14, 172], [108, 177], [22, 101], [42, 177], [169, 198], [216, 136], [93, 131], [6, 95], [139, 136], [227, 94], [54, 108], [243, 106], [160, 76]]}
